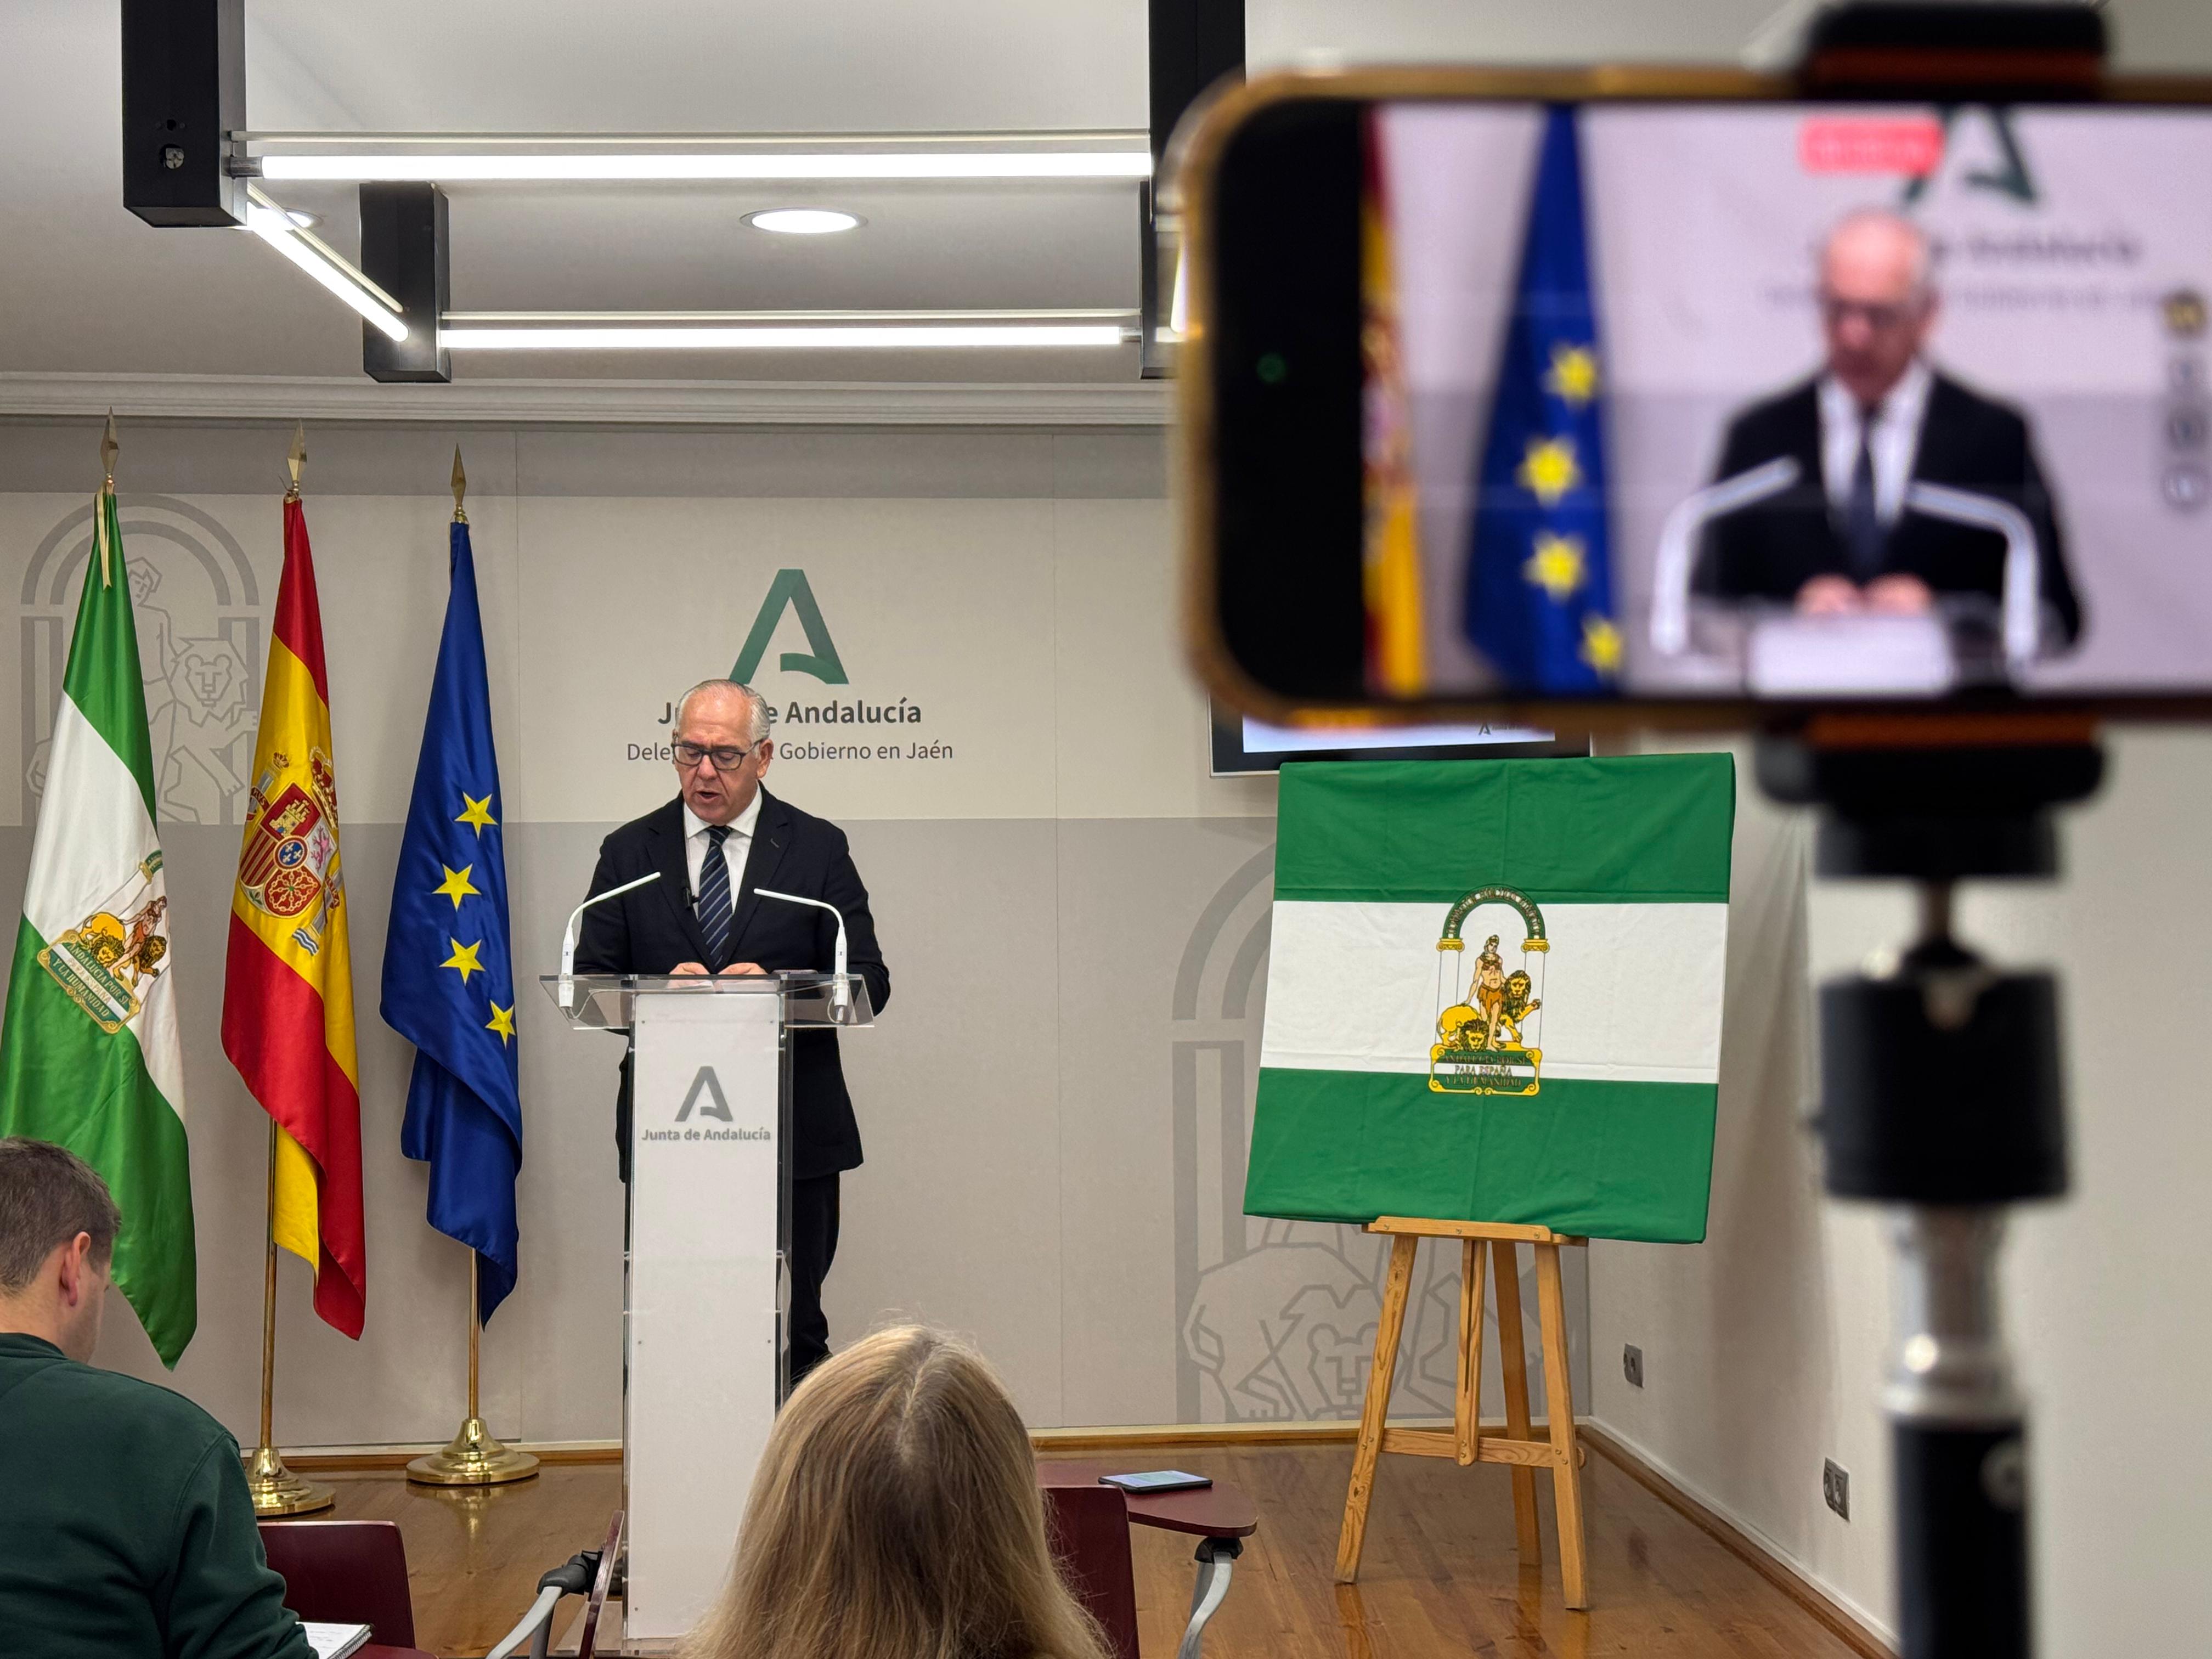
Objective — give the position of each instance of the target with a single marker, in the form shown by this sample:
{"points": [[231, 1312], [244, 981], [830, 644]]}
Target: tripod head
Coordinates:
{"points": [[1941, 1082], [1937, 799]]}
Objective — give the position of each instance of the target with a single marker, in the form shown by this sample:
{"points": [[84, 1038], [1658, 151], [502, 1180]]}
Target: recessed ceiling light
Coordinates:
{"points": [[801, 222]]}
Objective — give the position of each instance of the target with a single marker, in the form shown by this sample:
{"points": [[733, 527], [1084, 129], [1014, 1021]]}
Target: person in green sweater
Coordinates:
{"points": [[125, 1527]]}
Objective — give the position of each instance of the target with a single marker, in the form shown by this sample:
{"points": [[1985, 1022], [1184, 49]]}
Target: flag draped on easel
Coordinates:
{"points": [[1540, 578], [448, 976], [89, 1057], [1494, 993], [287, 985]]}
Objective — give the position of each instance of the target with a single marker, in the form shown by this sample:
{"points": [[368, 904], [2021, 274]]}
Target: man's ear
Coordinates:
{"points": [[76, 1274]]}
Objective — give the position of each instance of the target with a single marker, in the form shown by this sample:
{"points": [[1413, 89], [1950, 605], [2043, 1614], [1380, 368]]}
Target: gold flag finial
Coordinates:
{"points": [[295, 458], [103, 504], [460, 486]]}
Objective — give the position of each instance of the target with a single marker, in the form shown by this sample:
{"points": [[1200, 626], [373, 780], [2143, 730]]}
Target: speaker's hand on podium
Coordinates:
{"points": [[683, 968], [1830, 595], [1900, 593], [743, 968]]}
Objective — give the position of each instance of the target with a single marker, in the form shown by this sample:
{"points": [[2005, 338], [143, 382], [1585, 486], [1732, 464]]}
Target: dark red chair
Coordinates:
{"points": [[1089, 1530], [345, 1572]]}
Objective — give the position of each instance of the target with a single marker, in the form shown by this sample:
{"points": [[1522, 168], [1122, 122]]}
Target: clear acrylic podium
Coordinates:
{"points": [[709, 1226]]}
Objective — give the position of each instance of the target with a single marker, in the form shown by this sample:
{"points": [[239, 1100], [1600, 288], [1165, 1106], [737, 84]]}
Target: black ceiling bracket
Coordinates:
{"points": [[183, 97], [1193, 45], [405, 250]]}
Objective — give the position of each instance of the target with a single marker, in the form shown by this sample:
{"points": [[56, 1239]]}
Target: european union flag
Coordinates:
{"points": [[448, 981], [1540, 578]]}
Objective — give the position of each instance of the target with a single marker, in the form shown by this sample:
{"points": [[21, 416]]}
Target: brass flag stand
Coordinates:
{"points": [[473, 1457], [275, 1489]]}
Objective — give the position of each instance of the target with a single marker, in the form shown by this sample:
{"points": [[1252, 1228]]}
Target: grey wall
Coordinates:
{"points": [[1055, 1103], [1765, 1352]]}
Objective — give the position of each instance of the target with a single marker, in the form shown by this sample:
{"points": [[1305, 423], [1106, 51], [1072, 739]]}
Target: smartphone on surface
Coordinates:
{"points": [[1156, 1480], [1534, 395]]}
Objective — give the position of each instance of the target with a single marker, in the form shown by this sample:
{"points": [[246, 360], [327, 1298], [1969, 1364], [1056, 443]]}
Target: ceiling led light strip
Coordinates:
{"points": [[780, 330], [734, 167], [881, 337], [324, 263]]}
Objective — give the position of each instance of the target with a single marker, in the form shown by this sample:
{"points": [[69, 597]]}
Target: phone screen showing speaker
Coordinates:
{"points": [[1794, 402]]}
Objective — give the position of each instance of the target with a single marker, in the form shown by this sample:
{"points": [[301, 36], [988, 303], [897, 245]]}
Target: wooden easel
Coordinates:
{"points": [[1466, 1441]]}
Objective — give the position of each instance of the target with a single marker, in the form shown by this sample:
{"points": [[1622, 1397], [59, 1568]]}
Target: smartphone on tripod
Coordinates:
{"points": [[1866, 408]]}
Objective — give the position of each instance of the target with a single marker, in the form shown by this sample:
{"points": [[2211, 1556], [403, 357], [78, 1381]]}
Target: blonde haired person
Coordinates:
{"points": [[896, 1516]]}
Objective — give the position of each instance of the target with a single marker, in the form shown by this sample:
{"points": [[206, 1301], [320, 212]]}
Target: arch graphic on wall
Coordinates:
{"points": [[1275, 1320], [198, 604]]}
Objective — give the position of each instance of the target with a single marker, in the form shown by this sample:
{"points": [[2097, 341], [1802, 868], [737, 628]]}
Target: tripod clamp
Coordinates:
{"points": [[1940, 1098]]}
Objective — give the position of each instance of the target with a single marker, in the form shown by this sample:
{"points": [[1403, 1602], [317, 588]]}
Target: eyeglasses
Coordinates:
{"points": [[689, 754], [1882, 319]]}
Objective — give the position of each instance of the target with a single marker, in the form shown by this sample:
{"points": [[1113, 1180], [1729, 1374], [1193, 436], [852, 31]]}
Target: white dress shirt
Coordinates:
{"points": [[1893, 444], [736, 846]]}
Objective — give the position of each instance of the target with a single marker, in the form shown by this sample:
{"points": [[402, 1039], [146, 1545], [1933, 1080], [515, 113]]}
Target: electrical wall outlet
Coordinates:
{"points": [[1835, 1487], [1631, 1364]]}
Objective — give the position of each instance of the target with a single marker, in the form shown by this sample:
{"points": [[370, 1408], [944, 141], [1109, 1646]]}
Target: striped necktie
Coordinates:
{"points": [[715, 897], [1865, 538]]}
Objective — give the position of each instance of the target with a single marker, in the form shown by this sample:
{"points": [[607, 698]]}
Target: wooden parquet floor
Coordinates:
{"points": [[1439, 1577]]}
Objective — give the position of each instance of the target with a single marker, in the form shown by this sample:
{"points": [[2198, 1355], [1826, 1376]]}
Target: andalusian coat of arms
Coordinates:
{"points": [[106, 960], [1489, 1025]]}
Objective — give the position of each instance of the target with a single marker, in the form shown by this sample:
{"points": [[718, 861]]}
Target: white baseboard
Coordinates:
{"points": [[1757, 1534], [404, 1449]]}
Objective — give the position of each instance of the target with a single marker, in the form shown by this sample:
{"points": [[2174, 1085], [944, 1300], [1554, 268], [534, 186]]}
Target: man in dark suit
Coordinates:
{"points": [[1877, 419], [723, 838]]}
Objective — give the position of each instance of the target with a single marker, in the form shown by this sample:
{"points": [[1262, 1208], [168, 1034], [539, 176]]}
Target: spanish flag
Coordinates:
{"points": [[287, 986], [1396, 649]]}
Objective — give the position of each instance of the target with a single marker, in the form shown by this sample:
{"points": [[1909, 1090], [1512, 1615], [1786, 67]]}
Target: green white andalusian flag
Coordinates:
{"points": [[1494, 993], [88, 1056]]}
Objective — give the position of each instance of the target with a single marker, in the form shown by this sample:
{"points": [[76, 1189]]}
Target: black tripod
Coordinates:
{"points": [[1939, 1091], [1940, 1097]]}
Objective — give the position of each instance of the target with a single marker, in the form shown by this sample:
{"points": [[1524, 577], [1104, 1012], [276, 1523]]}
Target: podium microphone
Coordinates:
{"points": [[569, 937], [841, 993]]}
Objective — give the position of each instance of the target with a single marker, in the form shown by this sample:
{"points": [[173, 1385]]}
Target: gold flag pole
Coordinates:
{"points": [[275, 1489], [473, 1457]]}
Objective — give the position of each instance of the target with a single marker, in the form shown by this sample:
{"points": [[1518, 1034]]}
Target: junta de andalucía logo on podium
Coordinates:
{"points": [[1489, 1020]]}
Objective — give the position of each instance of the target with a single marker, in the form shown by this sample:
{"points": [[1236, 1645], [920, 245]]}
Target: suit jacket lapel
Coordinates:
{"points": [[771, 835], [1934, 456], [1802, 443], [675, 883]]}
